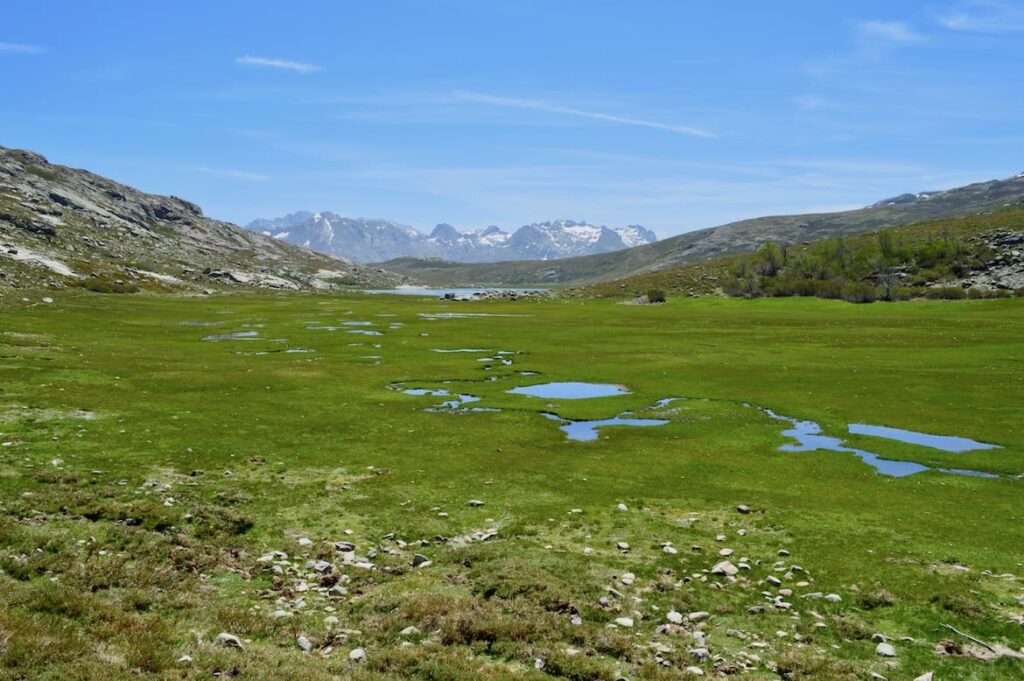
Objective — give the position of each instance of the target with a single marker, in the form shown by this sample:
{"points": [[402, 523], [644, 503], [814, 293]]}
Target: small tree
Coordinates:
{"points": [[888, 278]]}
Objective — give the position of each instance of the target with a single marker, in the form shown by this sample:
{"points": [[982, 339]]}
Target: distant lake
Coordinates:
{"points": [[438, 292]]}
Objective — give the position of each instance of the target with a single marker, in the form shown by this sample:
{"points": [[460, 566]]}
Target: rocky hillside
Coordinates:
{"points": [[736, 237], [366, 240], [65, 227]]}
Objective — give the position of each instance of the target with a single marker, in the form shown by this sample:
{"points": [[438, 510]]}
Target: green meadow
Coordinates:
{"points": [[147, 476]]}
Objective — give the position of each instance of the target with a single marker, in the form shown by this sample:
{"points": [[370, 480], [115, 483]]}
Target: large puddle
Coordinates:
{"points": [[570, 390], [810, 438], [946, 443]]}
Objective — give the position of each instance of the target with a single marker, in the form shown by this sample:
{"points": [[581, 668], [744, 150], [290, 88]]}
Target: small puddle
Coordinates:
{"points": [[234, 335], [810, 438], [464, 315], [946, 443], [586, 431], [570, 390], [456, 404]]}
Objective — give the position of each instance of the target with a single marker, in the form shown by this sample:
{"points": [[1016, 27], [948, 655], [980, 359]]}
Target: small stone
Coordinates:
{"points": [[622, 507], [885, 650], [228, 640], [698, 616], [304, 643], [674, 617], [576, 620], [627, 578], [671, 550], [700, 654], [773, 580], [357, 655], [833, 598], [624, 622], [928, 676], [743, 508], [419, 560], [409, 631], [305, 541], [185, 658], [783, 552], [695, 671], [725, 553], [331, 620], [280, 614], [622, 546], [475, 503]]}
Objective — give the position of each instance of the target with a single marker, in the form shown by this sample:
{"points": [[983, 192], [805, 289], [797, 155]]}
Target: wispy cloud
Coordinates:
{"points": [[281, 64], [889, 31], [21, 48], [984, 16], [536, 105], [232, 174], [814, 103]]}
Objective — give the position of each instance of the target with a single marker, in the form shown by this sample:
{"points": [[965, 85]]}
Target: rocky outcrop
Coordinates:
{"points": [[1005, 270], [61, 226]]}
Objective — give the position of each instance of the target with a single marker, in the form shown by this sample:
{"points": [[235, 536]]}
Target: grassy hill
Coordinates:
{"points": [[950, 238], [736, 237]]}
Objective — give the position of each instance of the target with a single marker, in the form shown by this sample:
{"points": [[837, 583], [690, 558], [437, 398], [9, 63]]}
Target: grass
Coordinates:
{"points": [[179, 463]]}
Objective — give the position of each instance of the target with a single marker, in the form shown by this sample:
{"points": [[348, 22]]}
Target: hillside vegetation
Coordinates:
{"points": [[977, 256]]}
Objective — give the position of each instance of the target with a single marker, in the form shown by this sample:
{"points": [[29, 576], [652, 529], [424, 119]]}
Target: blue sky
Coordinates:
{"points": [[676, 115]]}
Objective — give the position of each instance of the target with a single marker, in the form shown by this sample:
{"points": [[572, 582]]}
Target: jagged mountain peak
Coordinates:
{"points": [[370, 240]]}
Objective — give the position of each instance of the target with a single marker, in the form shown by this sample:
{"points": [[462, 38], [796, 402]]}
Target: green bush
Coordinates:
{"points": [[103, 285], [859, 292], [656, 295], [945, 293]]}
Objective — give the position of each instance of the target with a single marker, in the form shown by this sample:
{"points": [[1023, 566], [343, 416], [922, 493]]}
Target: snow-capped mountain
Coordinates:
{"points": [[365, 240]]}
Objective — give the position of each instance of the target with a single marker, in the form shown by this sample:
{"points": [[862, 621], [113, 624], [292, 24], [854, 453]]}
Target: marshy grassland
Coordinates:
{"points": [[158, 490]]}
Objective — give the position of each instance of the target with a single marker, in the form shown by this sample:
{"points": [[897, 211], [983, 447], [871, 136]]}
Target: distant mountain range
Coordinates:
{"points": [[736, 237], [366, 240], [62, 226]]}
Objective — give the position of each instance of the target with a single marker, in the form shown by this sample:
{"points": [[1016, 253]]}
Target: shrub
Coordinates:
{"points": [[945, 293], [656, 295], [103, 285], [859, 292]]}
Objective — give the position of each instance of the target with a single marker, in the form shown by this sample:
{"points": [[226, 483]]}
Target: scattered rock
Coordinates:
{"points": [[674, 617], [624, 622], [357, 655], [228, 640], [304, 643], [885, 650], [475, 503], [724, 568], [743, 508]]}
